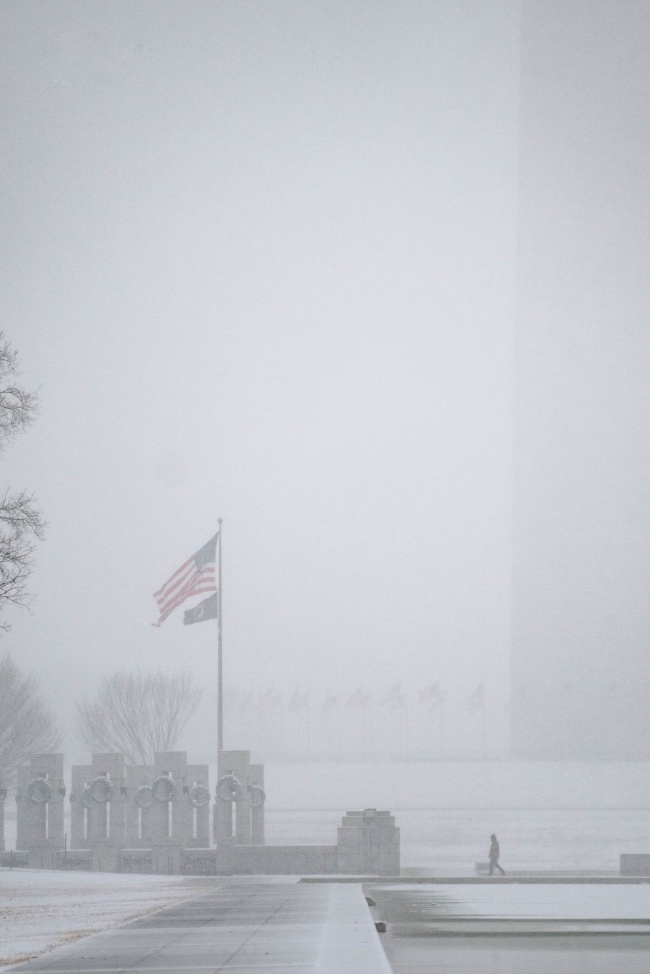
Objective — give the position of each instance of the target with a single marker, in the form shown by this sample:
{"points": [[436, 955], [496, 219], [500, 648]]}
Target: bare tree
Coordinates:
{"points": [[137, 714], [20, 521], [26, 722]]}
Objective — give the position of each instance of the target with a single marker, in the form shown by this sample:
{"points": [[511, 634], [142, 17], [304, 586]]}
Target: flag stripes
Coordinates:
{"points": [[197, 583], [195, 576]]}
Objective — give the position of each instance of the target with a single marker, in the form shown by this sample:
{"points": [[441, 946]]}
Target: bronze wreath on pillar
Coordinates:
{"points": [[199, 795], [101, 790], [163, 789], [143, 796], [39, 791], [228, 788]]}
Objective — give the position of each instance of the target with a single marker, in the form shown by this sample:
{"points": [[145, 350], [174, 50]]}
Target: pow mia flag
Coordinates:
{"points": [[207, 609]]}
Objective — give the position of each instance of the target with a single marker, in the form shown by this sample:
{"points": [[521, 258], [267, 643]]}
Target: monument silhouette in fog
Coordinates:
{"points": [[581, 612]]}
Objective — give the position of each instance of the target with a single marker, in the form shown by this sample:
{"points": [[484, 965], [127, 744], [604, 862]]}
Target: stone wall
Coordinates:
{"points": [[287, 860]]}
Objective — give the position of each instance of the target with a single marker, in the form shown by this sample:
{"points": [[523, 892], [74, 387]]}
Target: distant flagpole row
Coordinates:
{"points": [[393, 700], [305, 724]]}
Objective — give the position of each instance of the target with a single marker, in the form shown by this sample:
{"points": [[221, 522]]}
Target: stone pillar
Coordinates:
{"points": [[104, 795], [368, 844], [173, 765], [21, 817], [158, 818], [39, 802], [196, 795], [241, 763], [97, 823], [170, 812], [222, 821], [79, 813], [139, 799], [237, 764], [257, 797]]}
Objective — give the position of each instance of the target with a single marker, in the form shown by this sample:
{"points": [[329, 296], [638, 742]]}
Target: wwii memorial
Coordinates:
{"points": [[162, 818]]}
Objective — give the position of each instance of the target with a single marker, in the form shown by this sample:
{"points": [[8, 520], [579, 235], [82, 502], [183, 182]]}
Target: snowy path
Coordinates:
{"points": [[41, 909]]}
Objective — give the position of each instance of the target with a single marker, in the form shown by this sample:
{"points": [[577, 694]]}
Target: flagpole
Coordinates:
{"points": [[483, 734], [220, 657]]}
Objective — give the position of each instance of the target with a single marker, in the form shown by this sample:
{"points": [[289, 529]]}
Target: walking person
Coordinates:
{"points": [[494, 856]]}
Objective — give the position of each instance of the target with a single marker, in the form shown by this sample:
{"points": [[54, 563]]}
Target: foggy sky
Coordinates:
{"points": [[259, 260]]}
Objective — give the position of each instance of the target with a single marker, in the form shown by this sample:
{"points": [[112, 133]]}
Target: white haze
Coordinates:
{"points": [[259, 260]]}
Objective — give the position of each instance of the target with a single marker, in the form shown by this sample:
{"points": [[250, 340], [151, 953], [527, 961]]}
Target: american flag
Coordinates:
{"points": [[195, 576]]}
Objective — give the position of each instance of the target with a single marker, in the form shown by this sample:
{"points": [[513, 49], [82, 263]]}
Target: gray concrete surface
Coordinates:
{"points": [[235, 925], [533, 955], [502, 928]]}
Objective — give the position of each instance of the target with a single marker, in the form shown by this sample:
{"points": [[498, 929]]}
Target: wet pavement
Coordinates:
{"points": [[506, 928]]}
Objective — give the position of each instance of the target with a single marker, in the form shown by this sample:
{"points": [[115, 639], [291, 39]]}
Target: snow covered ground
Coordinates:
{"points": [[41, 909]]}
